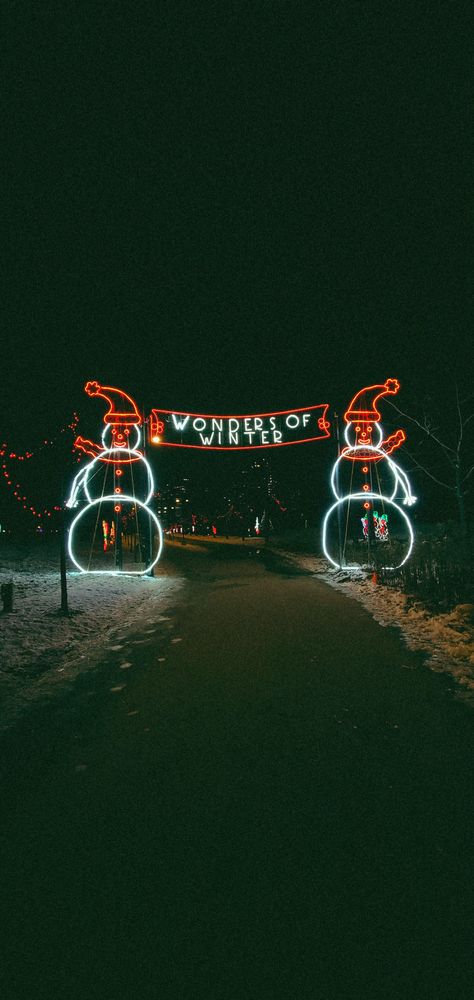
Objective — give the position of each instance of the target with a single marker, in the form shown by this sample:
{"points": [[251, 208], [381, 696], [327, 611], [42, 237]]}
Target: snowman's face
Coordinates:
{"points": [[359, 434], [121, 436]]}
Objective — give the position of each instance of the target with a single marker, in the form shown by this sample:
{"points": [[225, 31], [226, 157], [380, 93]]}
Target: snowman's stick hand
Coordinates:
{"points": [[392, 442], [90, 447]]}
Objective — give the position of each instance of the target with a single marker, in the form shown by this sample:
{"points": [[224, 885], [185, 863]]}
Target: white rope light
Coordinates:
{"points": [[122, 455], [365, 448]]}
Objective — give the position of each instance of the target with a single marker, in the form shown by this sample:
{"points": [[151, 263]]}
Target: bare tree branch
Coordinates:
{"points": [[418, 465], [446, 447]]}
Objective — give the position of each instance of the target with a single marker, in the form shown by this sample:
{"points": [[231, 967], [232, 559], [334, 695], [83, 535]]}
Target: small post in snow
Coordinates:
{"points": [[62, 563], [7, 596]]}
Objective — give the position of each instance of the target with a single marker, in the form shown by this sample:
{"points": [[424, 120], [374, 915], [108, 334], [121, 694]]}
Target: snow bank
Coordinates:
{"points": [[446, 639], [40, 647]]}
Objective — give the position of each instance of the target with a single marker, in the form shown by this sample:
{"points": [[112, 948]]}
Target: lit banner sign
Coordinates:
{"points": [[179, 429]]}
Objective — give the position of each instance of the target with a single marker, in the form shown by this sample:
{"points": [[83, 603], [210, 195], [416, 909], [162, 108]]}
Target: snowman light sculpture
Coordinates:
{"points": [[112, 486], [378, 485]]}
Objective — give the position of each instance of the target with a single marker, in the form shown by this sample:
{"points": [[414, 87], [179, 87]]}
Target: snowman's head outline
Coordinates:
{"points": [[363, 432], [119, 437]]}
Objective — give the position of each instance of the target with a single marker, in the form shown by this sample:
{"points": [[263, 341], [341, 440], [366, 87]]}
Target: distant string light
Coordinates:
{"points": [[16, 489]]}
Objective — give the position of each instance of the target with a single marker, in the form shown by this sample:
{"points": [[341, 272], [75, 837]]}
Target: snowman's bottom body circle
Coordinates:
{"points": [[334, 531], [106, 506]]}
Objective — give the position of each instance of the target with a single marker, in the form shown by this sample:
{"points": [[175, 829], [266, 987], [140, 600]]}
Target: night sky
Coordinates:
{"points": [[233, 206]]}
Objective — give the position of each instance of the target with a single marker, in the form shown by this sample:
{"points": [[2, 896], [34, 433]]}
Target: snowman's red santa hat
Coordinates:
{"points": [[363, 409], [122, 410]]}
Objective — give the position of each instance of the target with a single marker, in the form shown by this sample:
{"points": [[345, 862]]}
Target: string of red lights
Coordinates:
{"points": [[16, 489]]}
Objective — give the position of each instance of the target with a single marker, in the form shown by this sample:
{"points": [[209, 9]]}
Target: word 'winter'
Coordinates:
{"points": [[259, 430]]}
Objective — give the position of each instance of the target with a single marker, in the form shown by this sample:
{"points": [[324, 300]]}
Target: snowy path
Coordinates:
{"points": [[271, 775], [40, 648]]}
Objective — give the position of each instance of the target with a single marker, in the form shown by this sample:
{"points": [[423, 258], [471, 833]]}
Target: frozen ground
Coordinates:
{"points": [[447, 639], [39, 647]]}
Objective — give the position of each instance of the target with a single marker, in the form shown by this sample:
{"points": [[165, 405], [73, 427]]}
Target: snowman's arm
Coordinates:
{"points": [[392, 442], [405, 484], [89, 447], [76, 485]]}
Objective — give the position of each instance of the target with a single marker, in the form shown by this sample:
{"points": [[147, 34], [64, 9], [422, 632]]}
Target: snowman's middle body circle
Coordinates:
{"points": [[118, 471], [370, 456]]}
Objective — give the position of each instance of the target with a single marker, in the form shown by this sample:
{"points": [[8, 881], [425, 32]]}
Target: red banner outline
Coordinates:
{"points": [[155, 422]]}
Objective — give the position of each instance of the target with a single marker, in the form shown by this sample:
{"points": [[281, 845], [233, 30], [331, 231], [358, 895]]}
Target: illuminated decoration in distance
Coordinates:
{"points": [[211, 431], [16, 488], [379, 480], [119, 459]]}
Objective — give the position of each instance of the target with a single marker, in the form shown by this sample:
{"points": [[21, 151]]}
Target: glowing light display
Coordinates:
{"points": [[366, 455], [6, 455], [110, 477], [179, 429]]}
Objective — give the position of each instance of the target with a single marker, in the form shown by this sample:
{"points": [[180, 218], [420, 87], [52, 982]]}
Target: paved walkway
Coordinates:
{"points": [[264, 796]]}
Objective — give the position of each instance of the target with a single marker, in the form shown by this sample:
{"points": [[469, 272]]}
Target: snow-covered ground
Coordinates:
{"points": [[446, 639], [40, 647]]}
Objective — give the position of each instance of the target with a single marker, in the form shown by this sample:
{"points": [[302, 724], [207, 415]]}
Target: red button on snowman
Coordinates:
{"points": [[117, 486], [366, 481]]}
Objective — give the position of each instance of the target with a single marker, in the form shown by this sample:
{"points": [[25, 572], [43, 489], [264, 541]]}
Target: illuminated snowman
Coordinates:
{"points": [[379, 484], [117, 486]]}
